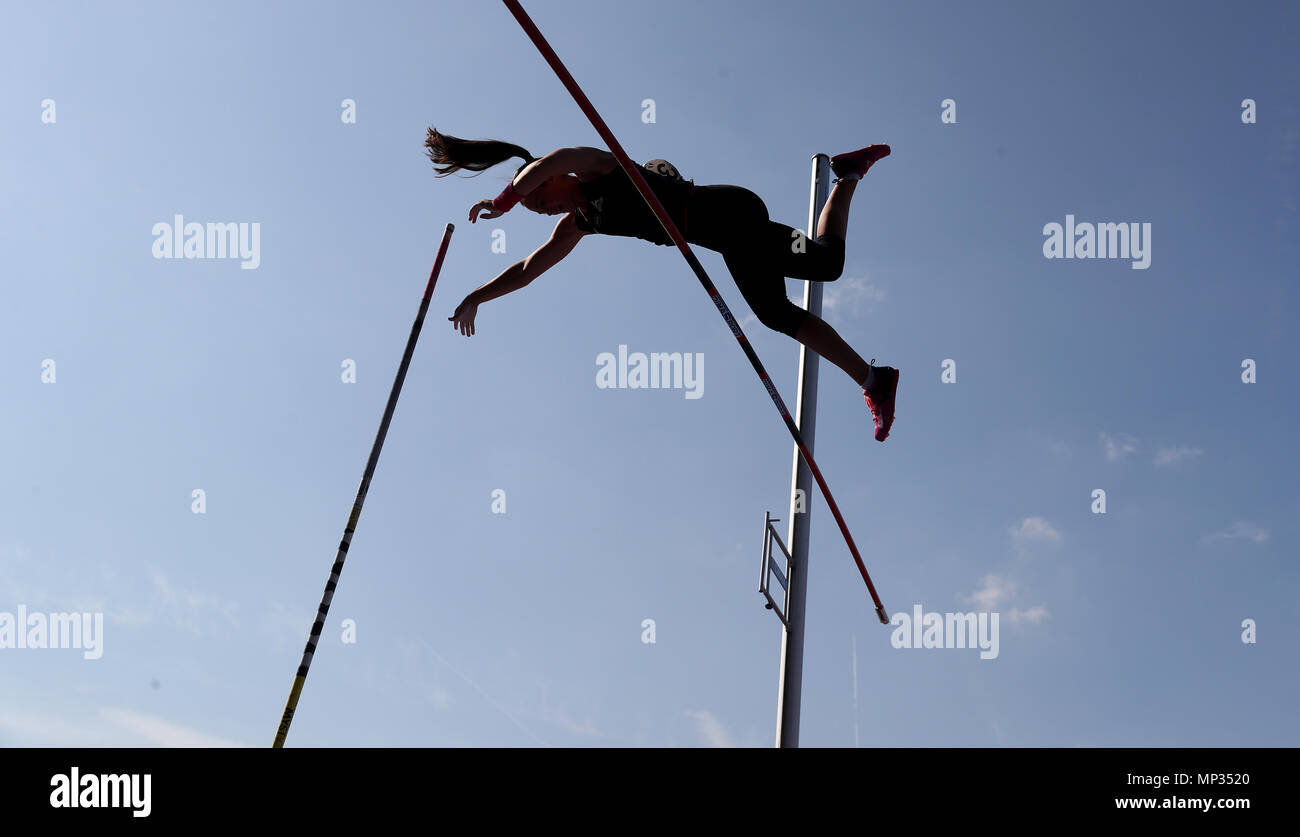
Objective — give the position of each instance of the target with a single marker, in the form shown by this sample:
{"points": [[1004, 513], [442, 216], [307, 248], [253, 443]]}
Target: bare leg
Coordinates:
{"points": [[817, 334], [835, 214]]}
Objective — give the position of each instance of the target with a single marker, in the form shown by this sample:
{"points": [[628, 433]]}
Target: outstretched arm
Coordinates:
{"points": [[580, 160], [562, 241]]}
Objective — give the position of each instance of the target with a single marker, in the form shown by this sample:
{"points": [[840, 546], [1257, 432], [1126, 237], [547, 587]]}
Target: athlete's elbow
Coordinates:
{"points": [[527, 273]]}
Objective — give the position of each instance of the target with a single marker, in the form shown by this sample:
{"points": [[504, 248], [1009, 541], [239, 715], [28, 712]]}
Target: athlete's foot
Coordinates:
{"points": [[880, 398], [854, 164]]}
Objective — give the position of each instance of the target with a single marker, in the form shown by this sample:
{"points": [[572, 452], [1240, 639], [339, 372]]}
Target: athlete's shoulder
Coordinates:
{"points": [[588, 163]]}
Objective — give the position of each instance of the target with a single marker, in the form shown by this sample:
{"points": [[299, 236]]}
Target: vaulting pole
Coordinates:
{"points": [[644, 188], [283, 731]]}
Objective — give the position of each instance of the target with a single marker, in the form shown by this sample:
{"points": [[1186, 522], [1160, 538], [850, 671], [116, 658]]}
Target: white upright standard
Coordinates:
{"points": [[787, 711]]}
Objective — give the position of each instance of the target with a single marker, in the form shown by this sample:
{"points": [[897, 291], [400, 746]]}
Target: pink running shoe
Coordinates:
{"points": [[856, 163], [880, 398]]}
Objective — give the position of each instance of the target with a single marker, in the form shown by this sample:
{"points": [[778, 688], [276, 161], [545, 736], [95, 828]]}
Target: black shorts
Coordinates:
{"points": [[760, 252]]}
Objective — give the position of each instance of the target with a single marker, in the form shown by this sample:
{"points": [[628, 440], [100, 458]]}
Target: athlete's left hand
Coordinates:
{"points": [[484, 206]]}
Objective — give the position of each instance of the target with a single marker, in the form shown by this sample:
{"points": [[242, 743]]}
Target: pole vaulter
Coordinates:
{"points": [[291, 706], [670, 227]]}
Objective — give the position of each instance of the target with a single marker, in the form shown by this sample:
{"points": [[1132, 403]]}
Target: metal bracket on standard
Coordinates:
{"points": [[772, 568]]}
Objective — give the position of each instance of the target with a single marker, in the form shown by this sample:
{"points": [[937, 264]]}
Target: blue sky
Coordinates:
{"points": [[524, 628]]}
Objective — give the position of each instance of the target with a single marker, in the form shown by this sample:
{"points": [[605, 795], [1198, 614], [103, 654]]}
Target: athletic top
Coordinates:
{"points": [[615, 207]]}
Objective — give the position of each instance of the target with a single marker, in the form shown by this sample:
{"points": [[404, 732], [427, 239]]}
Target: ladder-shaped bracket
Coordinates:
{"points": [[772, 568]]}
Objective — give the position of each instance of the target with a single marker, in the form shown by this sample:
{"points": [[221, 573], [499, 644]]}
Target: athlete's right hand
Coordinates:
{"points": [[463, 317], [484, 206]]}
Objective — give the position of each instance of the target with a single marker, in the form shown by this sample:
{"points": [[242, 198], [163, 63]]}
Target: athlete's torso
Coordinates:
{"points": [[615, 207]]}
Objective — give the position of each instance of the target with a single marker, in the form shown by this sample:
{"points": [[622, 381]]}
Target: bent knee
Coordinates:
{"points": [[834, 263], [786, 318], [831, 272]]}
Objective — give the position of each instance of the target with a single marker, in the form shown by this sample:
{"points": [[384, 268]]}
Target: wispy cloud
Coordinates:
{"points": [[483, 694], [1119, 446], [191, 610], [162, 733], [1034, 529], [1034, 615], [140, 599], [44, 729], [993, 593], [102, 727], [438, 697], [710, 729], [586, 728], [851, 295], [1173, 456], [1241, 530]]}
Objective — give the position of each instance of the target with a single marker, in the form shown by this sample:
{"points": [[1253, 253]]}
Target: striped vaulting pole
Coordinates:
{"points": [[650, 198], [378, 446]]}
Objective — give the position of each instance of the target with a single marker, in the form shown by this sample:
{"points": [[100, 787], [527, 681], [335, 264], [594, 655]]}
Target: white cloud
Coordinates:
{"points": [[483, 694], [286, 624], [586, 728], [30, 582], [162, 733], [994, 592], [1172, 456], [438, 697], [1241, 530], [850, 294], [130, 617], [710, 729], [1059, 449], [32, 729], [1034, 615], [102, 727], [190, 609], [1034, 529], [1118, 447]]}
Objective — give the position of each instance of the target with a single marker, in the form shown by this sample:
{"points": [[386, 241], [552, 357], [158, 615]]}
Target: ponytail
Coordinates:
{"points": [[454, 153]]}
